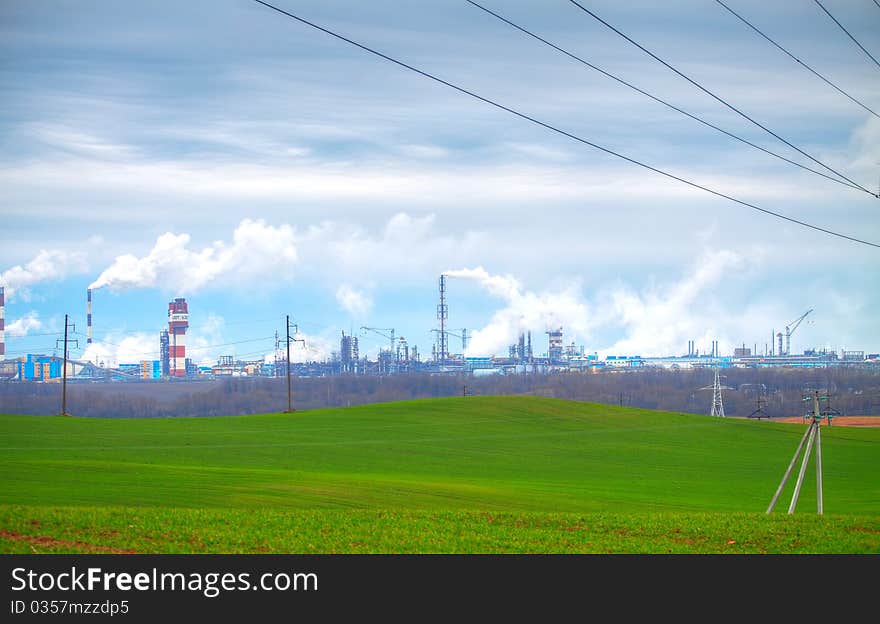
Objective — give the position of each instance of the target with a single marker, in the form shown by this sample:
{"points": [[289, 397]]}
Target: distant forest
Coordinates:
{"points": [[854, 392]]}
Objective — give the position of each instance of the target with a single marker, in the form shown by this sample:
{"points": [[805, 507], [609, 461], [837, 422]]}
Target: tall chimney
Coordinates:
{"points": [[89, 317], [178, 322], [2, 323]]}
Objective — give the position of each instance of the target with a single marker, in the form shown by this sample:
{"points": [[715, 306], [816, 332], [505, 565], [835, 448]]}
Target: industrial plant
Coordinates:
{"points": [[528, 354]]}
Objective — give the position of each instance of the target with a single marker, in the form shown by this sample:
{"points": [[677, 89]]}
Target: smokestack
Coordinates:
{"points": [[2, 323], [178, 322], [89, 317]]}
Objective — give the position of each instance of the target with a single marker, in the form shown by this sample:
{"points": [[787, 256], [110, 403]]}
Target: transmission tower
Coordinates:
{"points": [[717, 403], [759, 412]]}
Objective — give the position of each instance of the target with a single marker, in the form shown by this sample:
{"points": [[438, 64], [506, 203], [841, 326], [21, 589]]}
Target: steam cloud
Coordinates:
{"points": [[357, 303], [525, 311], [655, 322]]}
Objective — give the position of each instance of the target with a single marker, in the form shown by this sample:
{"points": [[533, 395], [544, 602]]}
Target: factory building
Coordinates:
{"points": [[145, 369], [164, 354], [39, 368]]}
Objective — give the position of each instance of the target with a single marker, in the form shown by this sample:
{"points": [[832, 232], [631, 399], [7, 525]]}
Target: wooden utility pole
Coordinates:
{"points": [[813, 439], [289, 399], [64, 367], [289, 391]]}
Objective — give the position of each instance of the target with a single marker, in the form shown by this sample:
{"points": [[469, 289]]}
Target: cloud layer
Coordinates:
{"points": [[47, 266]]}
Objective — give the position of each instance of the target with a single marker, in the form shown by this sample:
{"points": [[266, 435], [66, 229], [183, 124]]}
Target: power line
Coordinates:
{"points": [[847, 32], [563, 132], [189, 348], [657, 99], [718, 98], [28, 335], [755, 28]]}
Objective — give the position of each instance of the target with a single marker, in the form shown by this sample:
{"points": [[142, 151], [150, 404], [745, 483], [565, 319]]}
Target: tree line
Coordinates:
{"points": [[777, 391]]}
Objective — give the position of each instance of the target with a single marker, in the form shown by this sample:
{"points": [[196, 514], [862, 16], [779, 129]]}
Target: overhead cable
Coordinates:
{"points": [[718, 98], [560, 131], [804, 65], [657, 99], [843, 28]]}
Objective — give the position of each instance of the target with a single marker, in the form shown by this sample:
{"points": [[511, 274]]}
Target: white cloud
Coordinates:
{"points": [[122, 349], [21, 326], [83, 143], [424, 151], [48, 265]]}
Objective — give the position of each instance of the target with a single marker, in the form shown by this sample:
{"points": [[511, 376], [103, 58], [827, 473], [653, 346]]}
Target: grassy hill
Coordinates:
{"points": [[429, 472]]}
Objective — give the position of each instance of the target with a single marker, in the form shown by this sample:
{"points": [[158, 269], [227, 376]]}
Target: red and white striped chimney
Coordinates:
{"points": [[2, 323], [178, 322]]}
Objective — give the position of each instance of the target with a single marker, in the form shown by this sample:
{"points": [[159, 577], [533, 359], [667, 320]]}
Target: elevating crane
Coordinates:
{"points": [[789, 330], [463, 336], [381, 331]]}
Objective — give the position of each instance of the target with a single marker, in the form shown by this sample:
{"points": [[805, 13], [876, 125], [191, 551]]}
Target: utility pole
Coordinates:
{"points": [[813, 438], [289, 400], [289, 392], [64, 366]]}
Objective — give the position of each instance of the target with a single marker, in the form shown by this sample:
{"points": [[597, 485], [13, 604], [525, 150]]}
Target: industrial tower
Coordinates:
{"points": [[2, 323], [442, 316], [89, 316], [178, 322]]}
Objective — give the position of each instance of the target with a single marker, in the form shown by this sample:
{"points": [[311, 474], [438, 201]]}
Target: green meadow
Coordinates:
{"points": [[466, 474]]}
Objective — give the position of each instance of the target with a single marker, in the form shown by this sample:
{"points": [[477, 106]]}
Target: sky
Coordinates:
{"points": [[229, 154]]}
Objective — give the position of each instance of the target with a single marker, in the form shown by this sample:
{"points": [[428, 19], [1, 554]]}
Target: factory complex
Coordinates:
{"points": [[401, 358]]}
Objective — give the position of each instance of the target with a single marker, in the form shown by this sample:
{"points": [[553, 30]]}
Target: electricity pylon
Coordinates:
{"points": [[716, 388], [717, 403]]}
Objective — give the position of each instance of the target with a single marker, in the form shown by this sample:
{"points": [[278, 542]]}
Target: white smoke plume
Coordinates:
{"points": [[657, 321], [357, 303], [525, 311], [256, 249], [663, 319], [46, 266]]}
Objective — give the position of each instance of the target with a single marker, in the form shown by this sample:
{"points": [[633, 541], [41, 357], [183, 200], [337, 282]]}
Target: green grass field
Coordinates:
{"points": [[474, 474]]}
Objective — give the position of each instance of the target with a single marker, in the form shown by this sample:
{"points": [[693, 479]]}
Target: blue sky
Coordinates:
{"points": [[225, 153]]}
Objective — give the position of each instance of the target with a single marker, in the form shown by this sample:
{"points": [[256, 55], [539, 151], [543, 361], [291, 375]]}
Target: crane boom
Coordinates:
{"points": [[789, 330], [380, 331]]}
